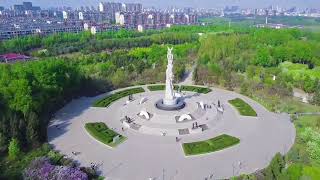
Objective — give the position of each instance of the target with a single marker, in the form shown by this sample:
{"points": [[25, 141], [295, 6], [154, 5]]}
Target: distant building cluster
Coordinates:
{"points": [[26, 19], [269, 11], [153, 20], [25, 7]]}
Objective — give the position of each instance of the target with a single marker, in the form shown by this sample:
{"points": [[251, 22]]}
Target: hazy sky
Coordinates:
{"points": [[180, 3]]}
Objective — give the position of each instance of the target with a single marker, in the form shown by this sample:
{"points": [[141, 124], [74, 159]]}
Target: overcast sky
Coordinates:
{"points": [[179, 3]]}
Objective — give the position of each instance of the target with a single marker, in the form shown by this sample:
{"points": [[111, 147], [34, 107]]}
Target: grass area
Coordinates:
{"points": [[156, 87], [197, 89], [243, 108], [303, 159], [210, 145], [302, 151], [282, 104], [102, 133], [105, 102]]}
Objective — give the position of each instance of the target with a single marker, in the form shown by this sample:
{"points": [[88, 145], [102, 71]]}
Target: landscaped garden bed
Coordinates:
{"points": [[244, 108], [202, 90], [210, 145], [102, 133], [156, 87], [197, 89], [105, 102]]}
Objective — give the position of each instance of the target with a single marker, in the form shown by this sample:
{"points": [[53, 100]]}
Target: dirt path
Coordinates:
{"points": [[187, 79]]}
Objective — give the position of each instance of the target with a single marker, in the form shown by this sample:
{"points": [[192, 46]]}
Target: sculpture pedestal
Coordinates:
{"points": [[170, 102], [179, 104]]}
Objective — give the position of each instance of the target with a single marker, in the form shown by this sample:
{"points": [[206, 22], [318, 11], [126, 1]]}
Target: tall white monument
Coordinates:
{"points": [[170, 102], [169, 98]]}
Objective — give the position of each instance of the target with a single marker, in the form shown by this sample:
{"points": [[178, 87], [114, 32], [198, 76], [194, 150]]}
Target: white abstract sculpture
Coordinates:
{"points": [[184, 117], [143, 100], [169, 98], [145, 114], [201, 105]]}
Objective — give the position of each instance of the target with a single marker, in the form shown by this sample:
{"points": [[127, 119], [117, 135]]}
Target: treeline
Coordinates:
{"points": [[135, 66], [23, 44], [64, 43], [69, 42], [256, 57], [30, 93]]}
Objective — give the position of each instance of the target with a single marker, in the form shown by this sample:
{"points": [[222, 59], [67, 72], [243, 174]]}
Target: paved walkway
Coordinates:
{"points": [[145, 155], [187, 79]]}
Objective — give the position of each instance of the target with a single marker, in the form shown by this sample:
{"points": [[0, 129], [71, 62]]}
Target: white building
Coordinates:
{"points": [[81, 16], [93, 30], [101, 7], [140, 28], [86, 26], [65, 15], [122, 20], [117, 17]]}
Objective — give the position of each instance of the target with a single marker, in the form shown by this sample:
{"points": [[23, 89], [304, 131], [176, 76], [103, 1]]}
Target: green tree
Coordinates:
{"points": [[309, 85], [33, 129], [264, 58], [14, 149], [119, 78], [276, 167], [316, 96]]}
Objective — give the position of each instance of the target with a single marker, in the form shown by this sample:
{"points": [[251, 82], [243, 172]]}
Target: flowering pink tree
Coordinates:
{"points": [[41, 168]]}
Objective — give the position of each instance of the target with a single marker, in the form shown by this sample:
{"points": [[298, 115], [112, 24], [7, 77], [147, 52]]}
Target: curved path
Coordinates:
{"points": [[143, 156]]}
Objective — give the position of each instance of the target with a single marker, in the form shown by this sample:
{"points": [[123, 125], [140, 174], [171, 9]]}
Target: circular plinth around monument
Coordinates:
{"points": [[179, 105]]}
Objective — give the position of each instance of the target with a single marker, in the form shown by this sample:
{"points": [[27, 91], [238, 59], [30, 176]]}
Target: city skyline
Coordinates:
{"points": [[178, 3]]}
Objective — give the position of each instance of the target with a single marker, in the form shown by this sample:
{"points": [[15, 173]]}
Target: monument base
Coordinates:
{"points": [[180, 104], [170, 102]]}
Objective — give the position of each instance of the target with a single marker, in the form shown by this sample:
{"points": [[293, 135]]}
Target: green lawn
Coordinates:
{"points": [[156, 87], [105, 102], [210, 145], [243, 108], [102, 133], [197, 89], [285, 104]]}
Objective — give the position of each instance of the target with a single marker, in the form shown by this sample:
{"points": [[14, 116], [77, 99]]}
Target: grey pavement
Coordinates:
{"points": [[146, 154]]}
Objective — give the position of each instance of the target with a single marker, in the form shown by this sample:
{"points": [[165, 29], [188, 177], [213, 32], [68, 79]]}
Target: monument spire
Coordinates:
{"points": [[169, 95]]}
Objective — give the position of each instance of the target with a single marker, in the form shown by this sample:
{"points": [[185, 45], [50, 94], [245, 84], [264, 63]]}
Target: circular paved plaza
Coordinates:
{"points": [[151, 150]]}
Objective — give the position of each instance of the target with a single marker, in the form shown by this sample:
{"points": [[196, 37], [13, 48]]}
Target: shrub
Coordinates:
{"points": [[312, 139], [92, 174], [197, 89], [105, 102], [41, 168], [67, 162], [156, 87], [55, 157], [14, 149], [276, 167]]}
